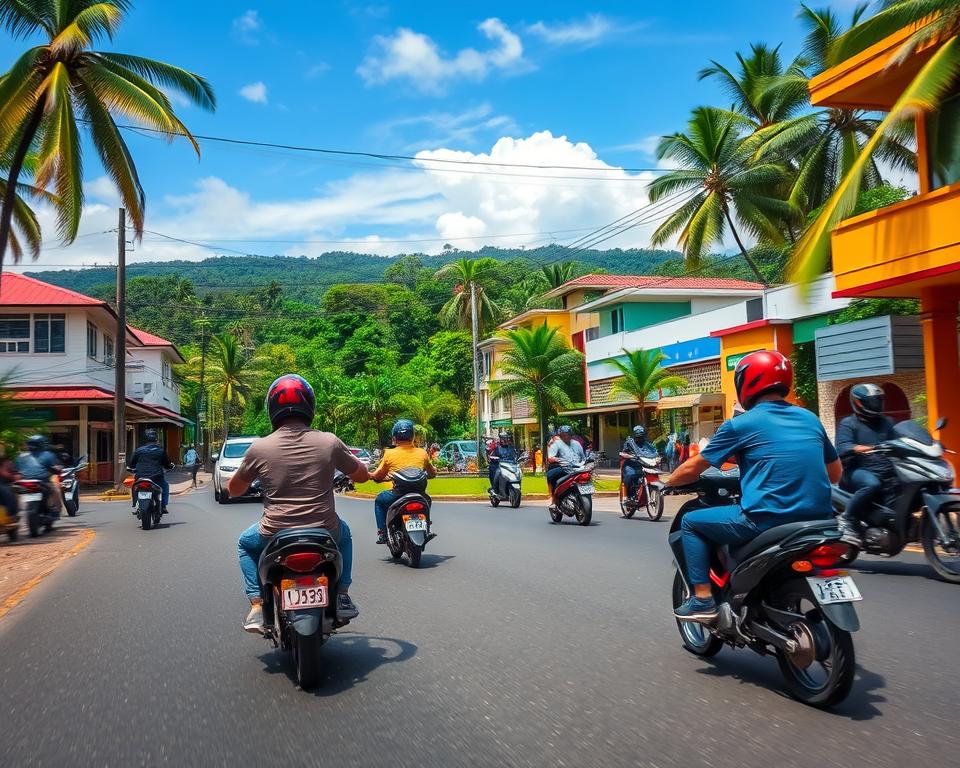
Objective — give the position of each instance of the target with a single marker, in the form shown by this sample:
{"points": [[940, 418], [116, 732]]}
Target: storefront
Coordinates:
{"points": [[738, 342]]}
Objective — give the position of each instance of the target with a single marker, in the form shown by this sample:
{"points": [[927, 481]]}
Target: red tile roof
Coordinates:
{"points": [[148, 339], [63, 393], [22, 291], [616, 282]]}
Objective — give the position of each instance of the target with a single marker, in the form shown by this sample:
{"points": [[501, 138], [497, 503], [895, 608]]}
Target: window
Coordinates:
{"points": [[616, 320], [91, 340], [48, 333], [166, 372], [487, 365], [108, 350], [592, 334], [754, 309], [14, 334]]}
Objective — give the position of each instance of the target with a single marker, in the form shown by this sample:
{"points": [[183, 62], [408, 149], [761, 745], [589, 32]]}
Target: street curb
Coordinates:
{"points": [[126, 497], [17, 597]]}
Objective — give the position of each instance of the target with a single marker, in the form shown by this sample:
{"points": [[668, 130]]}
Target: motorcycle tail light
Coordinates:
{"points": [[302, 562], [827, 555], [29, 485], [584, 477], [802, 566], [144, 487], [414, 506]]}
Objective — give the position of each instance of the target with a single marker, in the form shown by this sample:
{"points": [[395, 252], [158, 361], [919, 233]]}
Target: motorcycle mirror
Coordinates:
{"points": [[942, 423]]}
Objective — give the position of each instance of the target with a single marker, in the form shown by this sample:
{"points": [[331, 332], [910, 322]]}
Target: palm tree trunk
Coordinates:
{"points": [[16, 165], [743, 250], [542, 416], [226, 421]]}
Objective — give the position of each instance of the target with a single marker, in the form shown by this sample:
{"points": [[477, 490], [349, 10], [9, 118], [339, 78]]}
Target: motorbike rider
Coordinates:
{"points": [[562, 452], [39, 463], [864, 473], [786, 462], [295, 466], [403, 455], [503, 449], [8, 475], [635, 446], [149, 461]]}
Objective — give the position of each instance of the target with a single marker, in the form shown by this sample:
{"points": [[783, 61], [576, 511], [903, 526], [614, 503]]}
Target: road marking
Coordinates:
{"points": [[17, 597]]}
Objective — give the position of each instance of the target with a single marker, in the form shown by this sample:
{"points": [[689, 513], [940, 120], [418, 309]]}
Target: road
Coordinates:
{"points": [[519, 643]]}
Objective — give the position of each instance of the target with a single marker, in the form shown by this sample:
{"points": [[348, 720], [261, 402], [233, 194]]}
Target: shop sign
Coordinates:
{"points": [[732, 360]]}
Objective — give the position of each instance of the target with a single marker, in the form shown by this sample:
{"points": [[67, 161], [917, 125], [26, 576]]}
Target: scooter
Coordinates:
{"points": [[341, 482], [923, 507], [32, 497], [70, 487], [573, 493], [146, 496], [648, 492], [507, 481], [408, 518], [782, 594]]}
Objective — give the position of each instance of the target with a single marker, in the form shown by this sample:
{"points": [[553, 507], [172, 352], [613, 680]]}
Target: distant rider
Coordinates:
{"points": [[864, 473], [635, 447], [39, 463], [403, 455], [295, 466], [786, 462], [149, 461], [562, 452], [502, 450]]}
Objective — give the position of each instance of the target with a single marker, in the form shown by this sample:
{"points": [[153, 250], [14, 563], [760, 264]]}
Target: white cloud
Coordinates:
{"points": [[439, 128], [246, 27], [646, 146], [315, 70], [589, 30], [255, 92], [413, 56]]}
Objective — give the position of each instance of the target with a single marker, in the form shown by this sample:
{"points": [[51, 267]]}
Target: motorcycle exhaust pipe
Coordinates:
{"points": [[777, 640]]}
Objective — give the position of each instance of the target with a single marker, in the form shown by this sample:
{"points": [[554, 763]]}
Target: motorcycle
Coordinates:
{"points": [[408, 518], [922, 508], [782, 594], [146, 496], [70, 487], [300, 570], [32, 506], [342, 483], [507, 482], [649, 490], [573, 493]]}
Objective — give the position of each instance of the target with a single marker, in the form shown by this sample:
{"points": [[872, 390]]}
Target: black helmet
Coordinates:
{"points": [[36, 443], [402, 430], [866, 400], [290, 395], [640, 432], [150, 435]]}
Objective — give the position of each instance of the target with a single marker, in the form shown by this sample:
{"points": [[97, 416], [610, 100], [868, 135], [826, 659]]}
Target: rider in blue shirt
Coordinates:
{"points": [[786, 462]]}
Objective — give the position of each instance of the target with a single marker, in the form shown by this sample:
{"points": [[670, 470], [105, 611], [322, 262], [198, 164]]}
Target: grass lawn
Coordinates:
{"points": [[477, 486]]}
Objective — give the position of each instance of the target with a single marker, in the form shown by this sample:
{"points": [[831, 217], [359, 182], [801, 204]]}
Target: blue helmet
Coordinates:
{"points": [[566, 429], [402, 430]]}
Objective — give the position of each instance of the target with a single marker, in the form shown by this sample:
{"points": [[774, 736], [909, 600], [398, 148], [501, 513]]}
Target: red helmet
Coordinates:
{"points": [[759, 373], [290, 395]]}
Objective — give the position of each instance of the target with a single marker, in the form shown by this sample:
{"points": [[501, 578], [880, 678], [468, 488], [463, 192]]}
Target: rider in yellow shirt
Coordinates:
{"points": [[404, 455]]}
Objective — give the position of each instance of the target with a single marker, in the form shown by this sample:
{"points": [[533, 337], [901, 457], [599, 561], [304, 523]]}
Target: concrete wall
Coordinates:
{"points": [[912, 384]]}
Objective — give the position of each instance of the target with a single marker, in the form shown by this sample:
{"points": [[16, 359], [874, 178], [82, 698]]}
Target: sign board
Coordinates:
{"points": [[732, 360]]}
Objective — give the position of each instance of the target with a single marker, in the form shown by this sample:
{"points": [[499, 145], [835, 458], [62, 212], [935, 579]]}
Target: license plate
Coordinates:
{"points": [[297, 598], [586, 490], [834, 589], [31, 497], [144, 495], [416, 524]]}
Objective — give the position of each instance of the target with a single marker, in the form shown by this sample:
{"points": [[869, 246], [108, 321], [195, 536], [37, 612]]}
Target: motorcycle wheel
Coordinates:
{"points": [[836, 661], [945, 560], [514, 498], [494, 500], [414, 553], [585, 510], [395, 546], [146, 518], [306, 659], [625, 509], [556, 515], [71, 507], [33, 524], [654, 504], [695, 637]]}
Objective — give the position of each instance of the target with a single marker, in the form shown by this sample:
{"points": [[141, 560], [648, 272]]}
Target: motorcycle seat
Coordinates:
{"points": [[774, 535]]}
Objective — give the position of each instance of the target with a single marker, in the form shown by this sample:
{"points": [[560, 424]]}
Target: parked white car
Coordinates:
{"points": [[228, 462]]}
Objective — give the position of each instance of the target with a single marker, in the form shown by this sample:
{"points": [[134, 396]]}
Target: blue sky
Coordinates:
{"points": [[543, 83]]}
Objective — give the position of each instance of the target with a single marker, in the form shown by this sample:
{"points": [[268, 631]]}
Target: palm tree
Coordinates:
{"points": [[55, 87], [937, 23], [558, 274], [231, 374], [470, 274], [370, 401], [539, 366], [719, 180], [642, 375], [426, 405], [24, 235]]}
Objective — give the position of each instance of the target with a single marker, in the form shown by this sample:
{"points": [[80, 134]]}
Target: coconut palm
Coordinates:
{"points": [[370, 400], [539, 366], [426, 405], [24, 235], [469, 274], [231, 374], [720, 181], [937, 24], [642, 374], [558, 274], [61, 84]]}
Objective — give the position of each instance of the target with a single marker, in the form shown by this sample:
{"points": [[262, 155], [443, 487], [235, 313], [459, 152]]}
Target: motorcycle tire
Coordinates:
{"points": [[494, 500], [306, 660], [514, 498], [146, 519], [625, 509], [223, 497], [396, 548], [929, 541], [695, 638], [33, 524], [556, 515], [839, 679], [584, 512], [71, 507], [654, 504], [414, 553]]}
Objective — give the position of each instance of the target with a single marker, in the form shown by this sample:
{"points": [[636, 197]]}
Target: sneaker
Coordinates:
{"points": [[849, 533], [381, 537], [346, 608], [702, 609], [165, 511], [254, 621]]}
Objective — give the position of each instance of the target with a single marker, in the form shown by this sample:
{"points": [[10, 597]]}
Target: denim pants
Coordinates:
{"points": [[251, 544], [554, 474], [631, 475], [165, 496], [867, 488], [704, 529], [381, 505]]}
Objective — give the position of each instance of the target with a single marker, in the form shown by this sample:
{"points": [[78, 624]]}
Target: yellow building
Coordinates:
{"points": [[911, 249]]}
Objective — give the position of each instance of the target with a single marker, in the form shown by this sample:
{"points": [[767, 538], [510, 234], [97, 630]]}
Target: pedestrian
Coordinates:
{"points": [[670, 451], [192, 461]]}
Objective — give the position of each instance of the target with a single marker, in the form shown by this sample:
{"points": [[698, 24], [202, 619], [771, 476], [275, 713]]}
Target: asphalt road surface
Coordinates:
{"points": [[519, 643]]}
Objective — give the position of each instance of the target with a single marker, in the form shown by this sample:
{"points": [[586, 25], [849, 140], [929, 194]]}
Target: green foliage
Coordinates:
{"points": [[643, 374], [862, 309], [804, 359]]}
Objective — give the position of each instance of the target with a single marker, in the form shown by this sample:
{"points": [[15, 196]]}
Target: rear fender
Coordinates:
{"points": [[842, 616], [417, 537], [305, 623]]}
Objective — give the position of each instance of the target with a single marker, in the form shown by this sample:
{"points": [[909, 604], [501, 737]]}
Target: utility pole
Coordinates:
{"points": [[120, 357], [474, 327], [202, 394]]}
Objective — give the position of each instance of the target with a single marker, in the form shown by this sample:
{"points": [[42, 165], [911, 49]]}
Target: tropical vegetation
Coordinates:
{"points": [[642, 374]]}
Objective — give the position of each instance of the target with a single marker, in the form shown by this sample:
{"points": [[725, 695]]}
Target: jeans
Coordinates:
{"points": [[492, 471], [702, 530], [631, 475], [251, 544], [867, 488], [380, 506], [165, 496], [553, 475]]}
